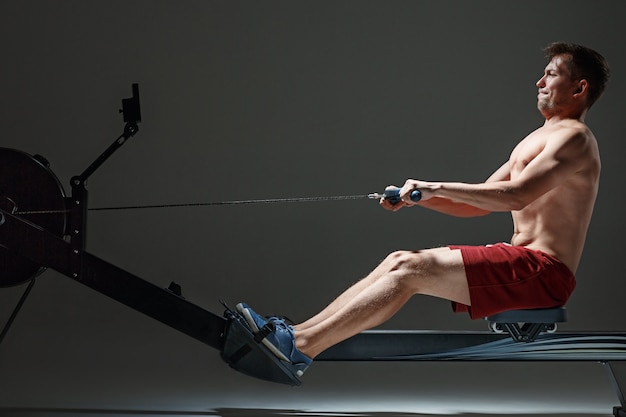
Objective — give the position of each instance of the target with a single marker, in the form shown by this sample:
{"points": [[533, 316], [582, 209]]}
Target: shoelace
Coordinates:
{"points": [[283, 319]]}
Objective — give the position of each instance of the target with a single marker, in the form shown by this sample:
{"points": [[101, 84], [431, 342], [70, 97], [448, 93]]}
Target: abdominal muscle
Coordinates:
{"points": [[548, 226]]}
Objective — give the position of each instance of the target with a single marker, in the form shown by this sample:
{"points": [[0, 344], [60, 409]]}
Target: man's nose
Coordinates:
{"points": [[541, 82]]}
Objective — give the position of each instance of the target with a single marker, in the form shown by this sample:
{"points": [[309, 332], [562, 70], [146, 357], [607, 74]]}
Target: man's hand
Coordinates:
{"points": [[426, 188], [387, 205], [405, 195]]}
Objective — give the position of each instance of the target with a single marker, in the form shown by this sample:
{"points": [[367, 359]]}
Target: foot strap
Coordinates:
{"points": [[244, 352], [268, 329]]}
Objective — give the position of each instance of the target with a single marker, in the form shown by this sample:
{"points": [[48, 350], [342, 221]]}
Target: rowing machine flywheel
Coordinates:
{"points": [[30, 190]]}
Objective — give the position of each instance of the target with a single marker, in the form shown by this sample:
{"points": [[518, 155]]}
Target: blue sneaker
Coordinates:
{"points": [[254, 320], [281, 342]]}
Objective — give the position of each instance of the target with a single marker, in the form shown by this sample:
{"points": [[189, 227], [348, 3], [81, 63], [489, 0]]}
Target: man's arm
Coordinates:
{"points": [[454, 208], [460, 209], [564, 154]]}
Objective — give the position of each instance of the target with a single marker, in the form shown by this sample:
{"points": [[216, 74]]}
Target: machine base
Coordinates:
{"points": [[245, 354]]}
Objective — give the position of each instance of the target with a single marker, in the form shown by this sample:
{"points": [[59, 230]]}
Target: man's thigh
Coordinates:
{"points": [[443, 275]]}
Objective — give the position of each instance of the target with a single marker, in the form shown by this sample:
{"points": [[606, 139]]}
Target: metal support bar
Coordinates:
{"points": [[16, 310], [426, 345], [129, 130], [78, 224], [132, 116], [621, 410], [526, 333], [158, 303], [32, 242]]}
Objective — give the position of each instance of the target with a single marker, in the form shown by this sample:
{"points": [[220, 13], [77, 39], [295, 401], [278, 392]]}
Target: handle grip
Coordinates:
{"points": [[393, 195]]}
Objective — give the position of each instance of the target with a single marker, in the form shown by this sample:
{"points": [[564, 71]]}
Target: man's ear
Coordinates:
{"points": [[583, 87]]}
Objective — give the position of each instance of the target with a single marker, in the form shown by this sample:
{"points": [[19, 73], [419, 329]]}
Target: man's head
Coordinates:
{"points": [[583, 64]]}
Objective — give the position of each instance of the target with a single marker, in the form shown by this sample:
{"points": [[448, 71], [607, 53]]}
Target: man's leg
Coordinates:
{"points": [[373, 300], [347, 295], [437, 272]]}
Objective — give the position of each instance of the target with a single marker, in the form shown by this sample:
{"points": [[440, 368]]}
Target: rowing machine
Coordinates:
{"points": [[41, 228]]}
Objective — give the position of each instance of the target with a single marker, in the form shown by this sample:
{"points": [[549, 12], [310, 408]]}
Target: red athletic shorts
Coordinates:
{"points": [[504, 277]]}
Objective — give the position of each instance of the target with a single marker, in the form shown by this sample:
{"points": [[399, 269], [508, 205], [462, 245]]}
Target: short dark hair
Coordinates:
{"points": [[584, 64]]}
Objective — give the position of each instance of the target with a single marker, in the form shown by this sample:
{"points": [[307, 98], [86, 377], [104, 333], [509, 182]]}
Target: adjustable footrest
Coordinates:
{"points": [[245, 353], [526, 325]]}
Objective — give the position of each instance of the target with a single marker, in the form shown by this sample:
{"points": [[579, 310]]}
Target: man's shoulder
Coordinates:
{"points": [[571, 128], [564, 133], [574, 141], [570, 133]]}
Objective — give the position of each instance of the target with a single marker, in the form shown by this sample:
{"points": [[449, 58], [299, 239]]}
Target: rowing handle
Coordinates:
{"points": [[393, 195]]}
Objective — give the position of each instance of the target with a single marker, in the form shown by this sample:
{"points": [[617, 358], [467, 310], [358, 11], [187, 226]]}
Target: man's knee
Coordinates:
{"points": [[404, 259], [409, 267], [417, 265], [431, 272]]}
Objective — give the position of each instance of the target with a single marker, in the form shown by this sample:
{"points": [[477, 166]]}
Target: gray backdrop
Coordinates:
{"points": [[270, 99]]}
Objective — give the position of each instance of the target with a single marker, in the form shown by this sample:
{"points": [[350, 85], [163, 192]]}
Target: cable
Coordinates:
{"points": [[215, 203], [391, 194]]}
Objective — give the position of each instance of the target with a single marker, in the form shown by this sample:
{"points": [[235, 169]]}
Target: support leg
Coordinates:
{"points": [[621, 410], [16, 310]]}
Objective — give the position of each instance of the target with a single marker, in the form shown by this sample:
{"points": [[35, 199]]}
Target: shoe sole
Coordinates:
{"points": [[246, 315]]}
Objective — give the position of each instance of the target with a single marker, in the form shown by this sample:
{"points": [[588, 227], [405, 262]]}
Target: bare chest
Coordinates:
{"points": [[525, 152]]}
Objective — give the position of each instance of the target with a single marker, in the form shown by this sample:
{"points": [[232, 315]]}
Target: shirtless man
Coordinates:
{"points": [[549, 184]]}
